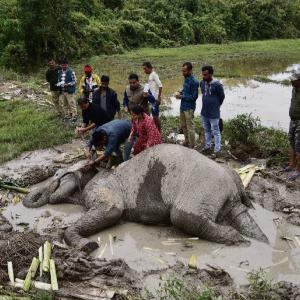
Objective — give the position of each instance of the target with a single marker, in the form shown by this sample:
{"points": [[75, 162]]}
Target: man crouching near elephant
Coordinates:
{"points": [[110, 135]]}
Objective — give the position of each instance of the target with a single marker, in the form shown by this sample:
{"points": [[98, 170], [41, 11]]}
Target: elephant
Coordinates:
{"points": [[165, 184]]}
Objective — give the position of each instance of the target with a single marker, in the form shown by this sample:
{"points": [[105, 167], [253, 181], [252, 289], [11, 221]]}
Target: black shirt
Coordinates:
{"points": [[52, 78], [95, 114]]}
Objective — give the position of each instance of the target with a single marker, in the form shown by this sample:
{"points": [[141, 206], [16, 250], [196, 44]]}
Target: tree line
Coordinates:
{"points": [[33, 30]]}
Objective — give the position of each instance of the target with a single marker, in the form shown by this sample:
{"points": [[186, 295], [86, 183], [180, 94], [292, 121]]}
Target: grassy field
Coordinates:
{"points": [[24, 127]]}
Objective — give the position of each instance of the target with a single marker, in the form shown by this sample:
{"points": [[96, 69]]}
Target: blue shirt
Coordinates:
{"points": [[212, 98], [189, 93], [117, 132]]}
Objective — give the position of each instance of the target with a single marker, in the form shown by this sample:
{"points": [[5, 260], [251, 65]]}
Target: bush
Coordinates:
{"points": [[15, 57]]}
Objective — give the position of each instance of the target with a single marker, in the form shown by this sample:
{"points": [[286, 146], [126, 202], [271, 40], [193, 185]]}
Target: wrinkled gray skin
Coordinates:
{"points": [[166, 184]]}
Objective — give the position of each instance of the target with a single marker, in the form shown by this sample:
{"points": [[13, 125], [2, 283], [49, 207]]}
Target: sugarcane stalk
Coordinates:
{"points": [[14, 188], [41, 260], [11, 272], [36, 284], [47, 255], [54, 284], [31, 273]]}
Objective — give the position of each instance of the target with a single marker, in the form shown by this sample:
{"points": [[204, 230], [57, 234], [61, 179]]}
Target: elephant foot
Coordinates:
{"points": [[87, 245]]}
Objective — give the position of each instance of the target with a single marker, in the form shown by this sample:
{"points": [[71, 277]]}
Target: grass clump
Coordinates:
{"points": [[176, 289], [247, 137], [25, 127]]}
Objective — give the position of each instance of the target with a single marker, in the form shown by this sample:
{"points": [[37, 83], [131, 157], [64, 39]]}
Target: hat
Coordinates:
{"points": [[146, 88], [88, 69], [295, 74]]}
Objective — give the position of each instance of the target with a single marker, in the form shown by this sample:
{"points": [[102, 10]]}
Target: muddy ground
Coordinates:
{"points": [[133, 257]]}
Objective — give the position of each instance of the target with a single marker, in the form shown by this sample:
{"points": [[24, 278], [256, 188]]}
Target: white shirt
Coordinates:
{"points": [[154, 84]]}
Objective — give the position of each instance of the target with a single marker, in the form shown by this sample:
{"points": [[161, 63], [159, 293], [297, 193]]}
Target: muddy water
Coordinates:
{"points": [[153, 249], [269, 101]]}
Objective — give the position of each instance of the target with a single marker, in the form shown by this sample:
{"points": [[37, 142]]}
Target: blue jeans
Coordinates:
{"points": [[211, 127], [127, 148]]}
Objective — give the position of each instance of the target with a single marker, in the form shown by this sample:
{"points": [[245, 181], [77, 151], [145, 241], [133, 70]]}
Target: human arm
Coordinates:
{"points": [[160, 87], [117, 104], [81, 85], [220, 92], [190, 94], [47, 76], [85, 128], [125, 102], [74, 79]]}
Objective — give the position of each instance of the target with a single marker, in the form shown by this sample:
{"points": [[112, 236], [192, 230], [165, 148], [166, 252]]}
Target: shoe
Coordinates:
{"points": [[294, 176], [206, 150], [216, 155]]}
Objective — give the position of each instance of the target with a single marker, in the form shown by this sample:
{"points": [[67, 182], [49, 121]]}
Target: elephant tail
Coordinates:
{"points": [[37, 198]]}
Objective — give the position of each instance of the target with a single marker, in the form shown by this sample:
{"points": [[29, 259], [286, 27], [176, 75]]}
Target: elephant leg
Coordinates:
{"points": [[203, 227], [90, 223], [245, 224], [68, 186]]}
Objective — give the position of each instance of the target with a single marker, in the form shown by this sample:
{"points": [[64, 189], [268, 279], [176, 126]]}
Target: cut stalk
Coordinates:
{"points": [[11, 272], [31, 273], [36, 284], [41, 260], [54, 283], [47, 255]]}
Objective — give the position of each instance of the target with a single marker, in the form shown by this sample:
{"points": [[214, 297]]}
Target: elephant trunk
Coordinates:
{"points": [[37, 198]]}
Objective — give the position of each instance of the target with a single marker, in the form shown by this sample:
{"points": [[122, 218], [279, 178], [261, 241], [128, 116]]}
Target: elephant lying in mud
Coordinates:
{"points": [[164, 184]]}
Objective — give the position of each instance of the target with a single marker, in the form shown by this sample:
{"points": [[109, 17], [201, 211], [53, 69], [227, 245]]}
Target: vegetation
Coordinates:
{"points": [[247, 137], [32, 30], [23, 127], [176, 289]]}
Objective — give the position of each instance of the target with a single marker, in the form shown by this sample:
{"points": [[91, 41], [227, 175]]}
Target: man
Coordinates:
{"points": [[135, 95], [156, 90], [67, 87], [52, 78], [107, 98], [92, 116], [212, 99], [110, 135], [89, 82], [294, 130], [188, 96]]}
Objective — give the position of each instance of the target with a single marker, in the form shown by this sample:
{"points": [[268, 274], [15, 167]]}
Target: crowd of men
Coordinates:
{"points": [[101, 111]]}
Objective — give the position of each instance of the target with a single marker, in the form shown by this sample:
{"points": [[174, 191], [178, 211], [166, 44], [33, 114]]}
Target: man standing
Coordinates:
{"points": [[67, 87], [294, 131], [107, 99], [136, 95], [155, 86], [92, 116], [52, 78], [110, 135], [212, 99], [188, 96], [89, 82]]}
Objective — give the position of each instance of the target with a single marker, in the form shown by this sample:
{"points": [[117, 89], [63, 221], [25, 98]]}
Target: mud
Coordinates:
{"points": [[33, 167], [275, 195]]}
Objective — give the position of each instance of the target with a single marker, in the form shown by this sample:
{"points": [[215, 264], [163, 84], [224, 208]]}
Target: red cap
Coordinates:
{"points": [[88, 69]]}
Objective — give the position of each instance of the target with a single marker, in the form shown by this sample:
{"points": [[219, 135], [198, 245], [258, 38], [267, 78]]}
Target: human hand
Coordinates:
{"points": [[126, 109]]}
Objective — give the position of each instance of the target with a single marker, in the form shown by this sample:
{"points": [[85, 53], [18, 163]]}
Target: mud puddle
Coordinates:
{"points": [[148, 248], [154, 250], [39, 219]]}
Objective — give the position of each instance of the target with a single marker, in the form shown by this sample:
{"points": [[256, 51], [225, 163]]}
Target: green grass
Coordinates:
{"points": [[24, 127]]}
